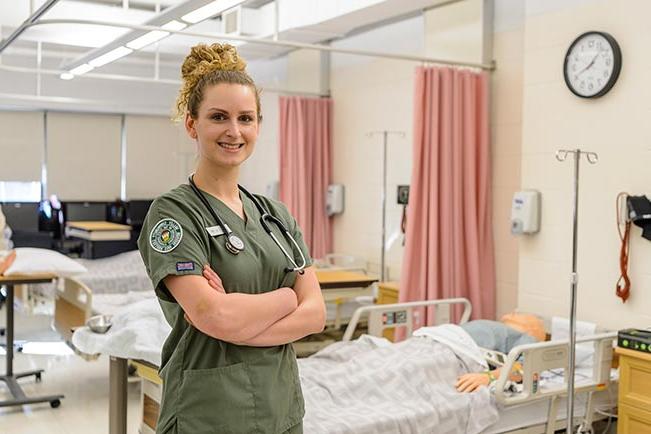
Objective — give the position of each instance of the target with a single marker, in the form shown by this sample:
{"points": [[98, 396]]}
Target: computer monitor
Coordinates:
{"points": [[21, 216], [137, 210], [84, 211]]}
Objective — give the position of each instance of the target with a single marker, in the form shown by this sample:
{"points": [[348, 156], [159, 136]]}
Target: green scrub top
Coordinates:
{"points": [[212, 386]]}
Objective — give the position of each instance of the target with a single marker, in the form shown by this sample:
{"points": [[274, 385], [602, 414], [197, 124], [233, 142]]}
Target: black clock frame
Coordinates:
{"points": [[617, 63]]}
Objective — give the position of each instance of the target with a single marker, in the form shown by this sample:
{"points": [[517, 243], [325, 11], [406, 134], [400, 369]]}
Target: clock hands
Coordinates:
{"points": [[594, 59]]}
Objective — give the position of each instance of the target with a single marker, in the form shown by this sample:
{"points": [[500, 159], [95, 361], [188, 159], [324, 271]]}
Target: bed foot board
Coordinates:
{"points": [[73, 303]]}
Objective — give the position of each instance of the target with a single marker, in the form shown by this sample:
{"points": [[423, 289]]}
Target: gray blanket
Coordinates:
{"points": [[366, 386]]}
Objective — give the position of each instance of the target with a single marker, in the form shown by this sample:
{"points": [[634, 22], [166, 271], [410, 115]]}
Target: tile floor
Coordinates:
{"points": [[84, 410]]}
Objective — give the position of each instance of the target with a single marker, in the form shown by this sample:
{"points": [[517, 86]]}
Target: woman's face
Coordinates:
{"points": [[226, 127]]}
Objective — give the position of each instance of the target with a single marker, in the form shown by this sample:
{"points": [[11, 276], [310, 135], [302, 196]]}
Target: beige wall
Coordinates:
{"points": [[506, 141], [454, 31], [372, 97], [616, 126]]}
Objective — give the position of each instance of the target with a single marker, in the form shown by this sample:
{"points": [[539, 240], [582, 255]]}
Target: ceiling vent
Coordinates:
{"points": [[242, 21]]}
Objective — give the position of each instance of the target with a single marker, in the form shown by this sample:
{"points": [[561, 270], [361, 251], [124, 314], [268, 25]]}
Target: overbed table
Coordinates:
{"points": [[341, 286], [19, 397]]}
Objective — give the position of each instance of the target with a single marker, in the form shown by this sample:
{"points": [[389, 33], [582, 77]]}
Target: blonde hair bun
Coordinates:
{"points": [[209, 65], [204, 59]]}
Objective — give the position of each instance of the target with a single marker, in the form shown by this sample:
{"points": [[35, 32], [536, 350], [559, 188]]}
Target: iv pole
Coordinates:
{"points": [[385, 134], [592, 158]]}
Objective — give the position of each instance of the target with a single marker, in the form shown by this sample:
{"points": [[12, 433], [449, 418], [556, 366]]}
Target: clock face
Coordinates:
{"points": [[592, 64]]}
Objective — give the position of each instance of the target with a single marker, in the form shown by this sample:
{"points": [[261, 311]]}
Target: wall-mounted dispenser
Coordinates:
{"points": [[335, 199], [525, 212]]}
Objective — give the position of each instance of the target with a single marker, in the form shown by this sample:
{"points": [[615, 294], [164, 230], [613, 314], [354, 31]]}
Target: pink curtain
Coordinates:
{"points": [[449, 244], [306, 167]]}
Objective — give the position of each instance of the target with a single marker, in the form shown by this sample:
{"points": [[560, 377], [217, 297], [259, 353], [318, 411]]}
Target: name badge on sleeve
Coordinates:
{"points": [[215, 231]]}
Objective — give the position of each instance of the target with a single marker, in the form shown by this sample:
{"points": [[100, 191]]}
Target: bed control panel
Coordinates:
{"points": [[393, 318], [635, 339]]}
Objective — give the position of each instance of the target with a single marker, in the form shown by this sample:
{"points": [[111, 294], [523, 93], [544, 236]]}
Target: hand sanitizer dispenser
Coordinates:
{"points": [[335, 199], [525, 212]]}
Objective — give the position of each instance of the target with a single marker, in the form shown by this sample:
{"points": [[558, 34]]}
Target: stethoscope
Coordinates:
{"points": [[235, 245]]}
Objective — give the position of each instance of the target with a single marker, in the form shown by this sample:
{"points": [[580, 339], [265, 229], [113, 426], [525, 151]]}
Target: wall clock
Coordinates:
{"points": [[592, 64]]}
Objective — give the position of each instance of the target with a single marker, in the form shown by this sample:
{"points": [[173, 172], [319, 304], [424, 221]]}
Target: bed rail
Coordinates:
{"points": [[545, 356], [383, 316]]}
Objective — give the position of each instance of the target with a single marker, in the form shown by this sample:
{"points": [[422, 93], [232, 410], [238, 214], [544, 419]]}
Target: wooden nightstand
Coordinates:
{"points": [[634, 400], [387, 294]]}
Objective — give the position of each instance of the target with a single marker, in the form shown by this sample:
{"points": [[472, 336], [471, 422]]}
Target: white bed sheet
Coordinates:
{"points": [[117, 274]]}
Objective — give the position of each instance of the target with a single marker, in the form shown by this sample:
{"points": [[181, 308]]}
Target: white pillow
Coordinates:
{"points": [[37, 261]]}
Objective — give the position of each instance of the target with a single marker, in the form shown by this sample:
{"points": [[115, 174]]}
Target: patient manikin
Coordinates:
{"points": [[512, 330]]}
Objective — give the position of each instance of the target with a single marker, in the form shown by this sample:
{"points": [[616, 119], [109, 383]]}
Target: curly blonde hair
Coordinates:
{"points": [[208, 65]]}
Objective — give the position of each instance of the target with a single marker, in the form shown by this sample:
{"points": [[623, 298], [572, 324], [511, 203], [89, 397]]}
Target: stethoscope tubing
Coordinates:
{"points": [[264, 216]]}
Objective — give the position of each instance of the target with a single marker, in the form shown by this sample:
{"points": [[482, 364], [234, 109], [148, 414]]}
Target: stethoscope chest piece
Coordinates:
{"points": [[234, 244]]}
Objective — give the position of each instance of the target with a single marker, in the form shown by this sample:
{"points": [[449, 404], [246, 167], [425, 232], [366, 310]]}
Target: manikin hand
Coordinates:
{"points": [[6, 261], [471, 382]]}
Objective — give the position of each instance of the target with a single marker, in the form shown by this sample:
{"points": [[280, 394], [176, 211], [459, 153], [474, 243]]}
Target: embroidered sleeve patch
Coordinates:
{"points": [[185, 266], [166, 235]]}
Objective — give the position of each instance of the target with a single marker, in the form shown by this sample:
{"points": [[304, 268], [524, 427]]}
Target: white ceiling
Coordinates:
{"points": [[146, 81], [307, 21]]}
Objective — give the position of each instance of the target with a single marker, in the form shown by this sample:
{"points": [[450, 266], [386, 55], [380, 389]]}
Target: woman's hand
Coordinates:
{"points": [[213, 279], [471, 382]]}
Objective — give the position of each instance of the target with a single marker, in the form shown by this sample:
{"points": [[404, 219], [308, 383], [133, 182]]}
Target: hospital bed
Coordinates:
{"points": [[538, 405], [527, 411]]}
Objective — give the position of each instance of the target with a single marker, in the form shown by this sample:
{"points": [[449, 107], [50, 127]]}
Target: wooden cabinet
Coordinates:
{"points": [[634, 400], [387, 294]]}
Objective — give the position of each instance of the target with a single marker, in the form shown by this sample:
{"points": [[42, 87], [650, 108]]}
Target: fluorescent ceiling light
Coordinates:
{"points": [[67, 76], [209, 10], [146, 39], [81, 69], [174, 25], [155, 35], [110, 56]]}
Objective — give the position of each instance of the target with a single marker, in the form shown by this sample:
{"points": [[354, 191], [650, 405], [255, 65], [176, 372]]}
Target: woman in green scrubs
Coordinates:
{"points": [[228, 365]]}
